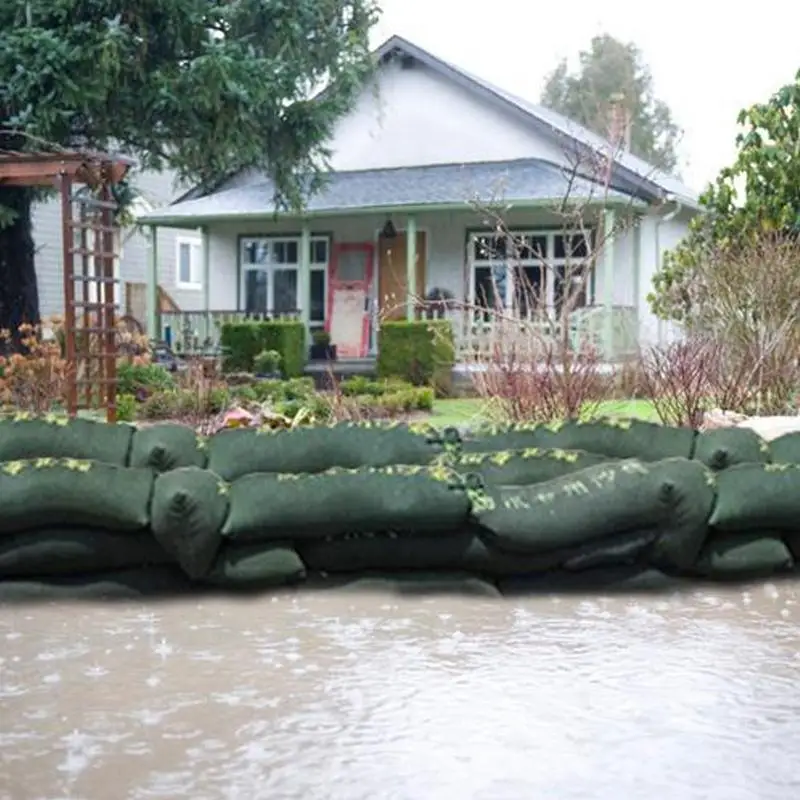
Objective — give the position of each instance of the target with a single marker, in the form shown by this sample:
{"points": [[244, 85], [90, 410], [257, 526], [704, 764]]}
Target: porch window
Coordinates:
{"points": [[533, 269], [189, 262], [270, 276]]}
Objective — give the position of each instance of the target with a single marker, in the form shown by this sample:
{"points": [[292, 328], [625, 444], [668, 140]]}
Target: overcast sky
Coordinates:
{"points": [[709, 58]]}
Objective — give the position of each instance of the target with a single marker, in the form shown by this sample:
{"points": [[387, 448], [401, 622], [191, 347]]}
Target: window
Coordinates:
{"points": [[271, 277], [530, 269], [189, 262]]}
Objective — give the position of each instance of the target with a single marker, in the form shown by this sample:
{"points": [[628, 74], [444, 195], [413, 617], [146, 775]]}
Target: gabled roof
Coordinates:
{"points": [[550, 123], [524, 182]]}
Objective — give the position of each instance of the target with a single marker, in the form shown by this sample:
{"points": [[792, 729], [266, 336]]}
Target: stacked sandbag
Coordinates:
{"points": [[786, 449], [755, 526], [167, 446], [314, 449], [616, 438], [721, 448], [24, 436]]}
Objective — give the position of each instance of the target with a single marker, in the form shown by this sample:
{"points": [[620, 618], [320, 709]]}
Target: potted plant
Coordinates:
{"points": [[321, 347], [267, 364]]}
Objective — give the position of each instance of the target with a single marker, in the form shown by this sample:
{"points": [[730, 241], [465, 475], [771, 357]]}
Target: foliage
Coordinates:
{"points": [[321, 338], [608, 70], [420, 352], [126, 407], [758, 195], [33, 377], [267, 362], [243, 341], [178, 84], [141, 380]]}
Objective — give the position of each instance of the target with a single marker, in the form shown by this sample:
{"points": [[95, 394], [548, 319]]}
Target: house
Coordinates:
{"points": [[178, 250], [398, 219]]}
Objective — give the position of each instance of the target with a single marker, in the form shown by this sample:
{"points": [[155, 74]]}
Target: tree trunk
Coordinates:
{"points": [[19, 295]]}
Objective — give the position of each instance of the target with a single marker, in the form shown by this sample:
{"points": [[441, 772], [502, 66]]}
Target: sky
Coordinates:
{"points": [[709, 59]]}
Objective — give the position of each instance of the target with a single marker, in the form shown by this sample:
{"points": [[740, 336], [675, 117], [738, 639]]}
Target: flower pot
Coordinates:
{"points": [[322, 352]]}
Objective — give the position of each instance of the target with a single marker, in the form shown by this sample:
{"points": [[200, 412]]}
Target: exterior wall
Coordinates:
{"points": [[413, 117], [446, 257], [157, 189]]}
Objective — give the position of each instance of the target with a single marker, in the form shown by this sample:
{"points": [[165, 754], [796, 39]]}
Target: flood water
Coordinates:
{"points": [[373, 697]]}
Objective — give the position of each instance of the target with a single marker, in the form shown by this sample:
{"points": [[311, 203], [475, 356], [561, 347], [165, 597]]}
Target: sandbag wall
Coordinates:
{"points": [[89, 508]]}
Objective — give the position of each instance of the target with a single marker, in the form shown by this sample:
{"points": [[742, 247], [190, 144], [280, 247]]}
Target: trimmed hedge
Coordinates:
{"points": [[420, 352], [243, 341]]}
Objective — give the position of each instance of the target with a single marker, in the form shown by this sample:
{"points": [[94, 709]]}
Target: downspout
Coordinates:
{"points": [[668, 217]]}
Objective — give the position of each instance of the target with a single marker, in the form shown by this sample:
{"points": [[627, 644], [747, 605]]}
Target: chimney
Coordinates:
{"points": [[619, 123]]}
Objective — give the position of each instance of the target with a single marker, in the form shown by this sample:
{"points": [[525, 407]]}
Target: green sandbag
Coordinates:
{"points": [[743, 555], [758, 497], [403, 498], [136, 584], [189, 508], [53, 492], [24, 436], [786, 449], [616, 438], [312, 449], [167, 446], [71, 551], [524, 467], [721, 448], [256, 566], [633, 579], [674, 495]]}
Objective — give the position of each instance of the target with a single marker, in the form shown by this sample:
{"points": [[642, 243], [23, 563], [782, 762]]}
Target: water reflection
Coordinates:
{"points": [[369, 697]]}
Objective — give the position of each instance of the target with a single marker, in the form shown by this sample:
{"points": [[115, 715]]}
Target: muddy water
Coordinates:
{"points": [[367, 697]]}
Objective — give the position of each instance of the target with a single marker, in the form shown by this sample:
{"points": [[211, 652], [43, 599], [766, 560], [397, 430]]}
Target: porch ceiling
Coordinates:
{"points": [[523, 183]]}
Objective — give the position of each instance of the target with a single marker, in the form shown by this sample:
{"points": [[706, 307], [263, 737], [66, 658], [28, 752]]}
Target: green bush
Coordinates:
{"points": [[421, 352], [277, 390], [134, 378], [267, 362], [126, 407], [242, 342]]}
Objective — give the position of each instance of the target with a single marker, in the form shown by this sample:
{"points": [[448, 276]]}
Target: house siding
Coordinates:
{"points": [[409, 117], [159, 190]]}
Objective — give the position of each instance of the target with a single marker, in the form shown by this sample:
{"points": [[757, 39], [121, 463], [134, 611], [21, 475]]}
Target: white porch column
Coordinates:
{"points": [[304, 276], [609, 224], [151, 297], [411, 266], [207, 279]]}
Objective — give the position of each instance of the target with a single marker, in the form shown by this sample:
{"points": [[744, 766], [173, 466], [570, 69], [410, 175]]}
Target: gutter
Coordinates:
{"points": [[668, 217]]}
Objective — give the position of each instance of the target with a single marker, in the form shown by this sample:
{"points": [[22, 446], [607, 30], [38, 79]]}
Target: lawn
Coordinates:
{"points": [[469, 411]]}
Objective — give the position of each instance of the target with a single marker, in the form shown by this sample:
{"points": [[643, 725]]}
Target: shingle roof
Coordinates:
{"points": [[530, 181]]}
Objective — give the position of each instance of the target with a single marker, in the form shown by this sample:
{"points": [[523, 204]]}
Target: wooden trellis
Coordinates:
{"points": [[85, 182]]}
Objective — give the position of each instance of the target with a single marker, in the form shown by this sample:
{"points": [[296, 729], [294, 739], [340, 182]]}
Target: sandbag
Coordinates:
{"points": [[406, 499], [753, 497], [721, 448], [256, 566], [617, 438], [674, 495], [25, 436], [743, 555], [786, 449], [189, 508], [135, 584], [632, 579], [72, 551], [67, 491], [313, 449], [524, 467], [167, 446]]}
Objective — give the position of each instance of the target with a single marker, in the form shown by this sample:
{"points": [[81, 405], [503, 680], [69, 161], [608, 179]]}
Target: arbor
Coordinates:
{"points": [[613, 72], [203, 87]]}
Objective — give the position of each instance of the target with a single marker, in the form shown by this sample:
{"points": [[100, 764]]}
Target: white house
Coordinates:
{"points": [[398, 219]]}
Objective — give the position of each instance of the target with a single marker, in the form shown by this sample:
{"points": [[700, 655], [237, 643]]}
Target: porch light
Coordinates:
{"points": [[389, 231]]}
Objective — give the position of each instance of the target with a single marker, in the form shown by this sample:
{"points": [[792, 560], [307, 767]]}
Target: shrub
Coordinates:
{"points": [[126, 407], [267, 362], [142, 379], [420, 352], [244, 341]]}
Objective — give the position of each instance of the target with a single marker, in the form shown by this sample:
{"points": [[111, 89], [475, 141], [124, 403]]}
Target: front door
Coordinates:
{"points": [[392, 276]]}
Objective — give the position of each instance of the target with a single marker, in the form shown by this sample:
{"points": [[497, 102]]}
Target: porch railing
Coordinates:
{"points": [[199, 332]]}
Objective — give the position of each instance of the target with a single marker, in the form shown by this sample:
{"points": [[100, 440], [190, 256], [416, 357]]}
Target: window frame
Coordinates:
{"points": [[195, 245]]}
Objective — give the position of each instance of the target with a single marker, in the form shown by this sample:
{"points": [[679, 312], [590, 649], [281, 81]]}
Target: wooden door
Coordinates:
{"points": [[392, 277]]}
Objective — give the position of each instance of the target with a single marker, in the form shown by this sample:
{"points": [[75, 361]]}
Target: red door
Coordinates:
{"points": [[349, 288]]}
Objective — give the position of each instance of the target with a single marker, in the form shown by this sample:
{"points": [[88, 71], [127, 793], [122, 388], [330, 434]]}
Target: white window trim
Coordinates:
{"points": [[195, 244], [548, 263], [269, 268]]}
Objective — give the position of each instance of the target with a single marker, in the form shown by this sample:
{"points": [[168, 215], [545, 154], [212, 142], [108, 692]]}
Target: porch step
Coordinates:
{"points": [[321, 371]]}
